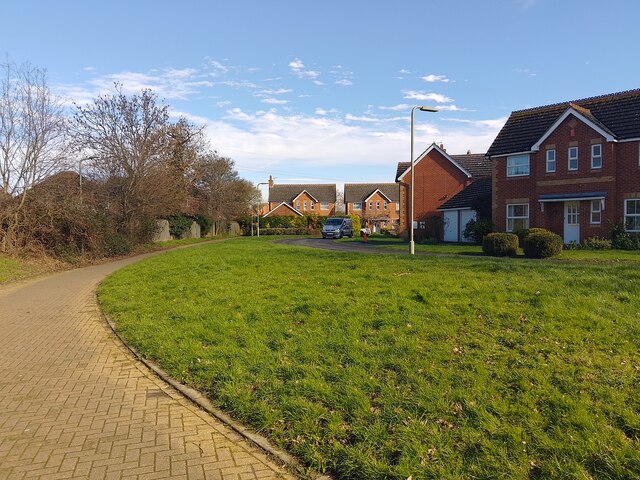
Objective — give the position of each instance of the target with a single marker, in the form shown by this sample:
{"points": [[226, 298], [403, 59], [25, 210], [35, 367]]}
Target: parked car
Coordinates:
{"points": [[336, 227]]}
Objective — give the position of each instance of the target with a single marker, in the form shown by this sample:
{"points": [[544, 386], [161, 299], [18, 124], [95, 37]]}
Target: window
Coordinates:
{"points": [[370, 205], [313, 205], [386, 205], [596, 156], [596, 212], [357, 205], [397, 207], [297, 205], [518, 166], [573, 158], [551, 161], [324, 205], [305, 205], [517, 216], [632, 215], [377, 205]]}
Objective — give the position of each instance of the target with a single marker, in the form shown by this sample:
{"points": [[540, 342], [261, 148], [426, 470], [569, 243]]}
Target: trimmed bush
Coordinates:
{"points": [[542, 243], [476, 230], [500, 244]]}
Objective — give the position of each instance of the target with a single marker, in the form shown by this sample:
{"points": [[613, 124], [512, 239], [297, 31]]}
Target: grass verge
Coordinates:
{"points": [[388, 367]]}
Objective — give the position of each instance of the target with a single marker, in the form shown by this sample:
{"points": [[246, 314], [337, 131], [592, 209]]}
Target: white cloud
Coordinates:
{"points": [[344, 82], [274, 101], [404, 72], [435, 78], [297, 68], [433, 97], [453, 108], [279, 91], [318, 82], [223, 103], [526, 71], [321, 111], [397, 108]]}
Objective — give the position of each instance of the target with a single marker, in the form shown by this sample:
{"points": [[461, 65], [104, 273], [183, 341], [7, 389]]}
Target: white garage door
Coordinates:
{"points": [[451, 226]]}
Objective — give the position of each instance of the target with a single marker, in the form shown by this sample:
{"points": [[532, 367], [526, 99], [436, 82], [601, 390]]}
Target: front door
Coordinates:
{"points": [[571, 222]]}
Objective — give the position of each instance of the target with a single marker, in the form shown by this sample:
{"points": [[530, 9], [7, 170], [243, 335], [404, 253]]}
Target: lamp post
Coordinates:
{"points": [[412, 245], [261, 183]]}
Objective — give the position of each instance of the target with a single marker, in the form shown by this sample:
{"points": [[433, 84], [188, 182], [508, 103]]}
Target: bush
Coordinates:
{"points": [[205, 223], [476, 230], [500, 244], [179, 225], [541, 243], [596, 243], [117, 244], [624, 241]]}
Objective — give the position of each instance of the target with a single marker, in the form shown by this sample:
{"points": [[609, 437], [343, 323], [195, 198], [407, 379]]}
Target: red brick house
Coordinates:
{"points": [[377, 204], [301, 199], [438, 177], [571, 167]]}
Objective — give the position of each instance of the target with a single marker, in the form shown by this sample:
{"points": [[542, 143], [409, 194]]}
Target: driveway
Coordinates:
{"points": [[74, 402]]}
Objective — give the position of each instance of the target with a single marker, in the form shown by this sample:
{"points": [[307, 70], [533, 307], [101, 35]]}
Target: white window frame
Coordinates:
{"points": [[397, 207], [298, 206], [595, 157], [596, 212], [370, 205], [551, 153], [313, 205], [570, 158], [518, 169], [357, 205], [511, 218], [324, 205], [631, 215], [304, 204], [377, 205], [386, 205]]}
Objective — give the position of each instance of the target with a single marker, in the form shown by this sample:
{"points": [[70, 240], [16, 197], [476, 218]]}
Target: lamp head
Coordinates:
{"points": [[427, 109]]}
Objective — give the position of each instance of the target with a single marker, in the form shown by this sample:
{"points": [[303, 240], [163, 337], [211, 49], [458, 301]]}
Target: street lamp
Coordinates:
{"points": [[412, 245], [261, 183]]}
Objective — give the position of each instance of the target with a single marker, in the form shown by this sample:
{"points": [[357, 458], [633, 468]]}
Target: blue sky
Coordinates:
{"points": [[320, 91]]}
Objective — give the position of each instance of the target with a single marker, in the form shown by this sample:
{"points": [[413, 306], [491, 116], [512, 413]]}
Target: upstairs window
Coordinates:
{"points": [[297, 205], [324, 205], [313, 205], [596, 156], [573, 159], [305, 205], [386, 205], [377, 205], [518, 166], [398, 207], [370, 205], [551, 161], [357, 205]]}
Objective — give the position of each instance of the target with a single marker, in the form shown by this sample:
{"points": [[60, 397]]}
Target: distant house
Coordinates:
{"points": [[572, 167], [377, 204], [301, 199], [439, 176]]}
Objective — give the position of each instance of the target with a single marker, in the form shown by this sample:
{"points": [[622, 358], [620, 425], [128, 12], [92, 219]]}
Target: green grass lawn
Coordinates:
{"points": [[378, 367], [395, 243]]}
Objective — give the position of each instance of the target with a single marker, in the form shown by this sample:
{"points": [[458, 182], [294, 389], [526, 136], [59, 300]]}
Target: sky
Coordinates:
{"points": [[321, 91]]}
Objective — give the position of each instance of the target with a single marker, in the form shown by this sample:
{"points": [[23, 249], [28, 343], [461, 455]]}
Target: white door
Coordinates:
{"points": [[465, 217], [451, 226], [571, 222]]}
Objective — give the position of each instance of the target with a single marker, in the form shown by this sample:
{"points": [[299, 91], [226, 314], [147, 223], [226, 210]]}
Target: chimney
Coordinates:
{"points": [[270, 181], [468, 152], [442, 148]]}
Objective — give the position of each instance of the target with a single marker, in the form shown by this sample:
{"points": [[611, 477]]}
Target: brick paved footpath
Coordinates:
{"points": [[74, 403]]}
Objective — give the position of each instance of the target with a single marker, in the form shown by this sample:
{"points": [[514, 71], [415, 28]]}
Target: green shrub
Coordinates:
{"points": [[625, 241], [205, 223], [117, 244], [500, 244], [475, 230], [596, 243], [541, 243], [179, 224]]}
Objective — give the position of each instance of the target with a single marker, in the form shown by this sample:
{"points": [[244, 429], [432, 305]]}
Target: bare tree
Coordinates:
{"points": [[129, 141], [32, 141]]}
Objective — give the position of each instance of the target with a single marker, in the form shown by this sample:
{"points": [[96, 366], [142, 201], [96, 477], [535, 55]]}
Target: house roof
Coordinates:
{"points": [[475, 164], [616, 113], [359, 192], [287, 192], [285, 205], [467, 197]]}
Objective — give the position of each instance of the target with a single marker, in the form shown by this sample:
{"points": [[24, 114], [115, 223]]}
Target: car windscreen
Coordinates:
{"points": [[334, 221]]}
